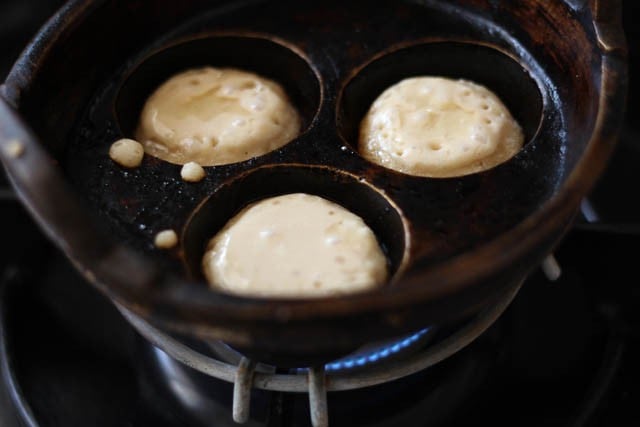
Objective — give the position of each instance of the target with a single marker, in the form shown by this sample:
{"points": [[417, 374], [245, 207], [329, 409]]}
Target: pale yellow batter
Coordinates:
{"points": [[297, 245], [127, 153], [166, 239], [437, 127], [216, 116]]}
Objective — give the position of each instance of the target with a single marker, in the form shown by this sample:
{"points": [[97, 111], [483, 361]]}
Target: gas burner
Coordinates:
{"points": [[562, 350], [365, 357], [375, 363]]}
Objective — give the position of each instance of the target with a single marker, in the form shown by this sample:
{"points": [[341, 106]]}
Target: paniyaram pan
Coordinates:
{"points": [[454, 244]]}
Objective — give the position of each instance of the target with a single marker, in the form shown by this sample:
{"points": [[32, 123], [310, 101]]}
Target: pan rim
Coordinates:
{"points": [[450, 277]]}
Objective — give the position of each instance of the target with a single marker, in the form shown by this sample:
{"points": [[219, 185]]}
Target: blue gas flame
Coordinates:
{"points": [[376, 355]]}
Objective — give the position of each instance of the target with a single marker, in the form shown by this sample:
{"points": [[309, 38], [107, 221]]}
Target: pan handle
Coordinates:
{"points": [[62, 214], [607, 16]]}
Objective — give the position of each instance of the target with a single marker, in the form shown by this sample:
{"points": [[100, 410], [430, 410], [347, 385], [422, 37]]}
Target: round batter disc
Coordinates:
{"points": [[295, 246], [438, 127], [216, 116]]}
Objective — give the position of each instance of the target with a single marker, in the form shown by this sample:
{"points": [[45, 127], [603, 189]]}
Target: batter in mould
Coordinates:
{"points": [[213, 116], [438, 127]]}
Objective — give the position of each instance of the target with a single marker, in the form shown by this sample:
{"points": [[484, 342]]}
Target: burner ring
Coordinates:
{"points": [[318, 381]]}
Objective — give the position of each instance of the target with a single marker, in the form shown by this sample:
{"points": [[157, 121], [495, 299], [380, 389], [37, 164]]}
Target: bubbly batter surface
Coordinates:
{"points": [[296, 245], [438, 127], [216, 116]]}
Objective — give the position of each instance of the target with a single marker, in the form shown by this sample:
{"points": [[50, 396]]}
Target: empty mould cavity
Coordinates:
{"points": [[353, 220]]}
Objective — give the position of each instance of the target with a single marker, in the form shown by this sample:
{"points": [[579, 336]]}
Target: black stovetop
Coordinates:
{"points": [[564, 354]]}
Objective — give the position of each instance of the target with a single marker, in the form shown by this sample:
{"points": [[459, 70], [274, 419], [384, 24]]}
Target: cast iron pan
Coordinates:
{"points": [[453, 245]]}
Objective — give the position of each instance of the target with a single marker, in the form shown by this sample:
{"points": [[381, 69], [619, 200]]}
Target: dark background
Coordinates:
{"points": [[615, 198], [19, 21]]}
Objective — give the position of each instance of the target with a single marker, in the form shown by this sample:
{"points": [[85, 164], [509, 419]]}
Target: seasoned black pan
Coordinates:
{"points": [[454, 245]]}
